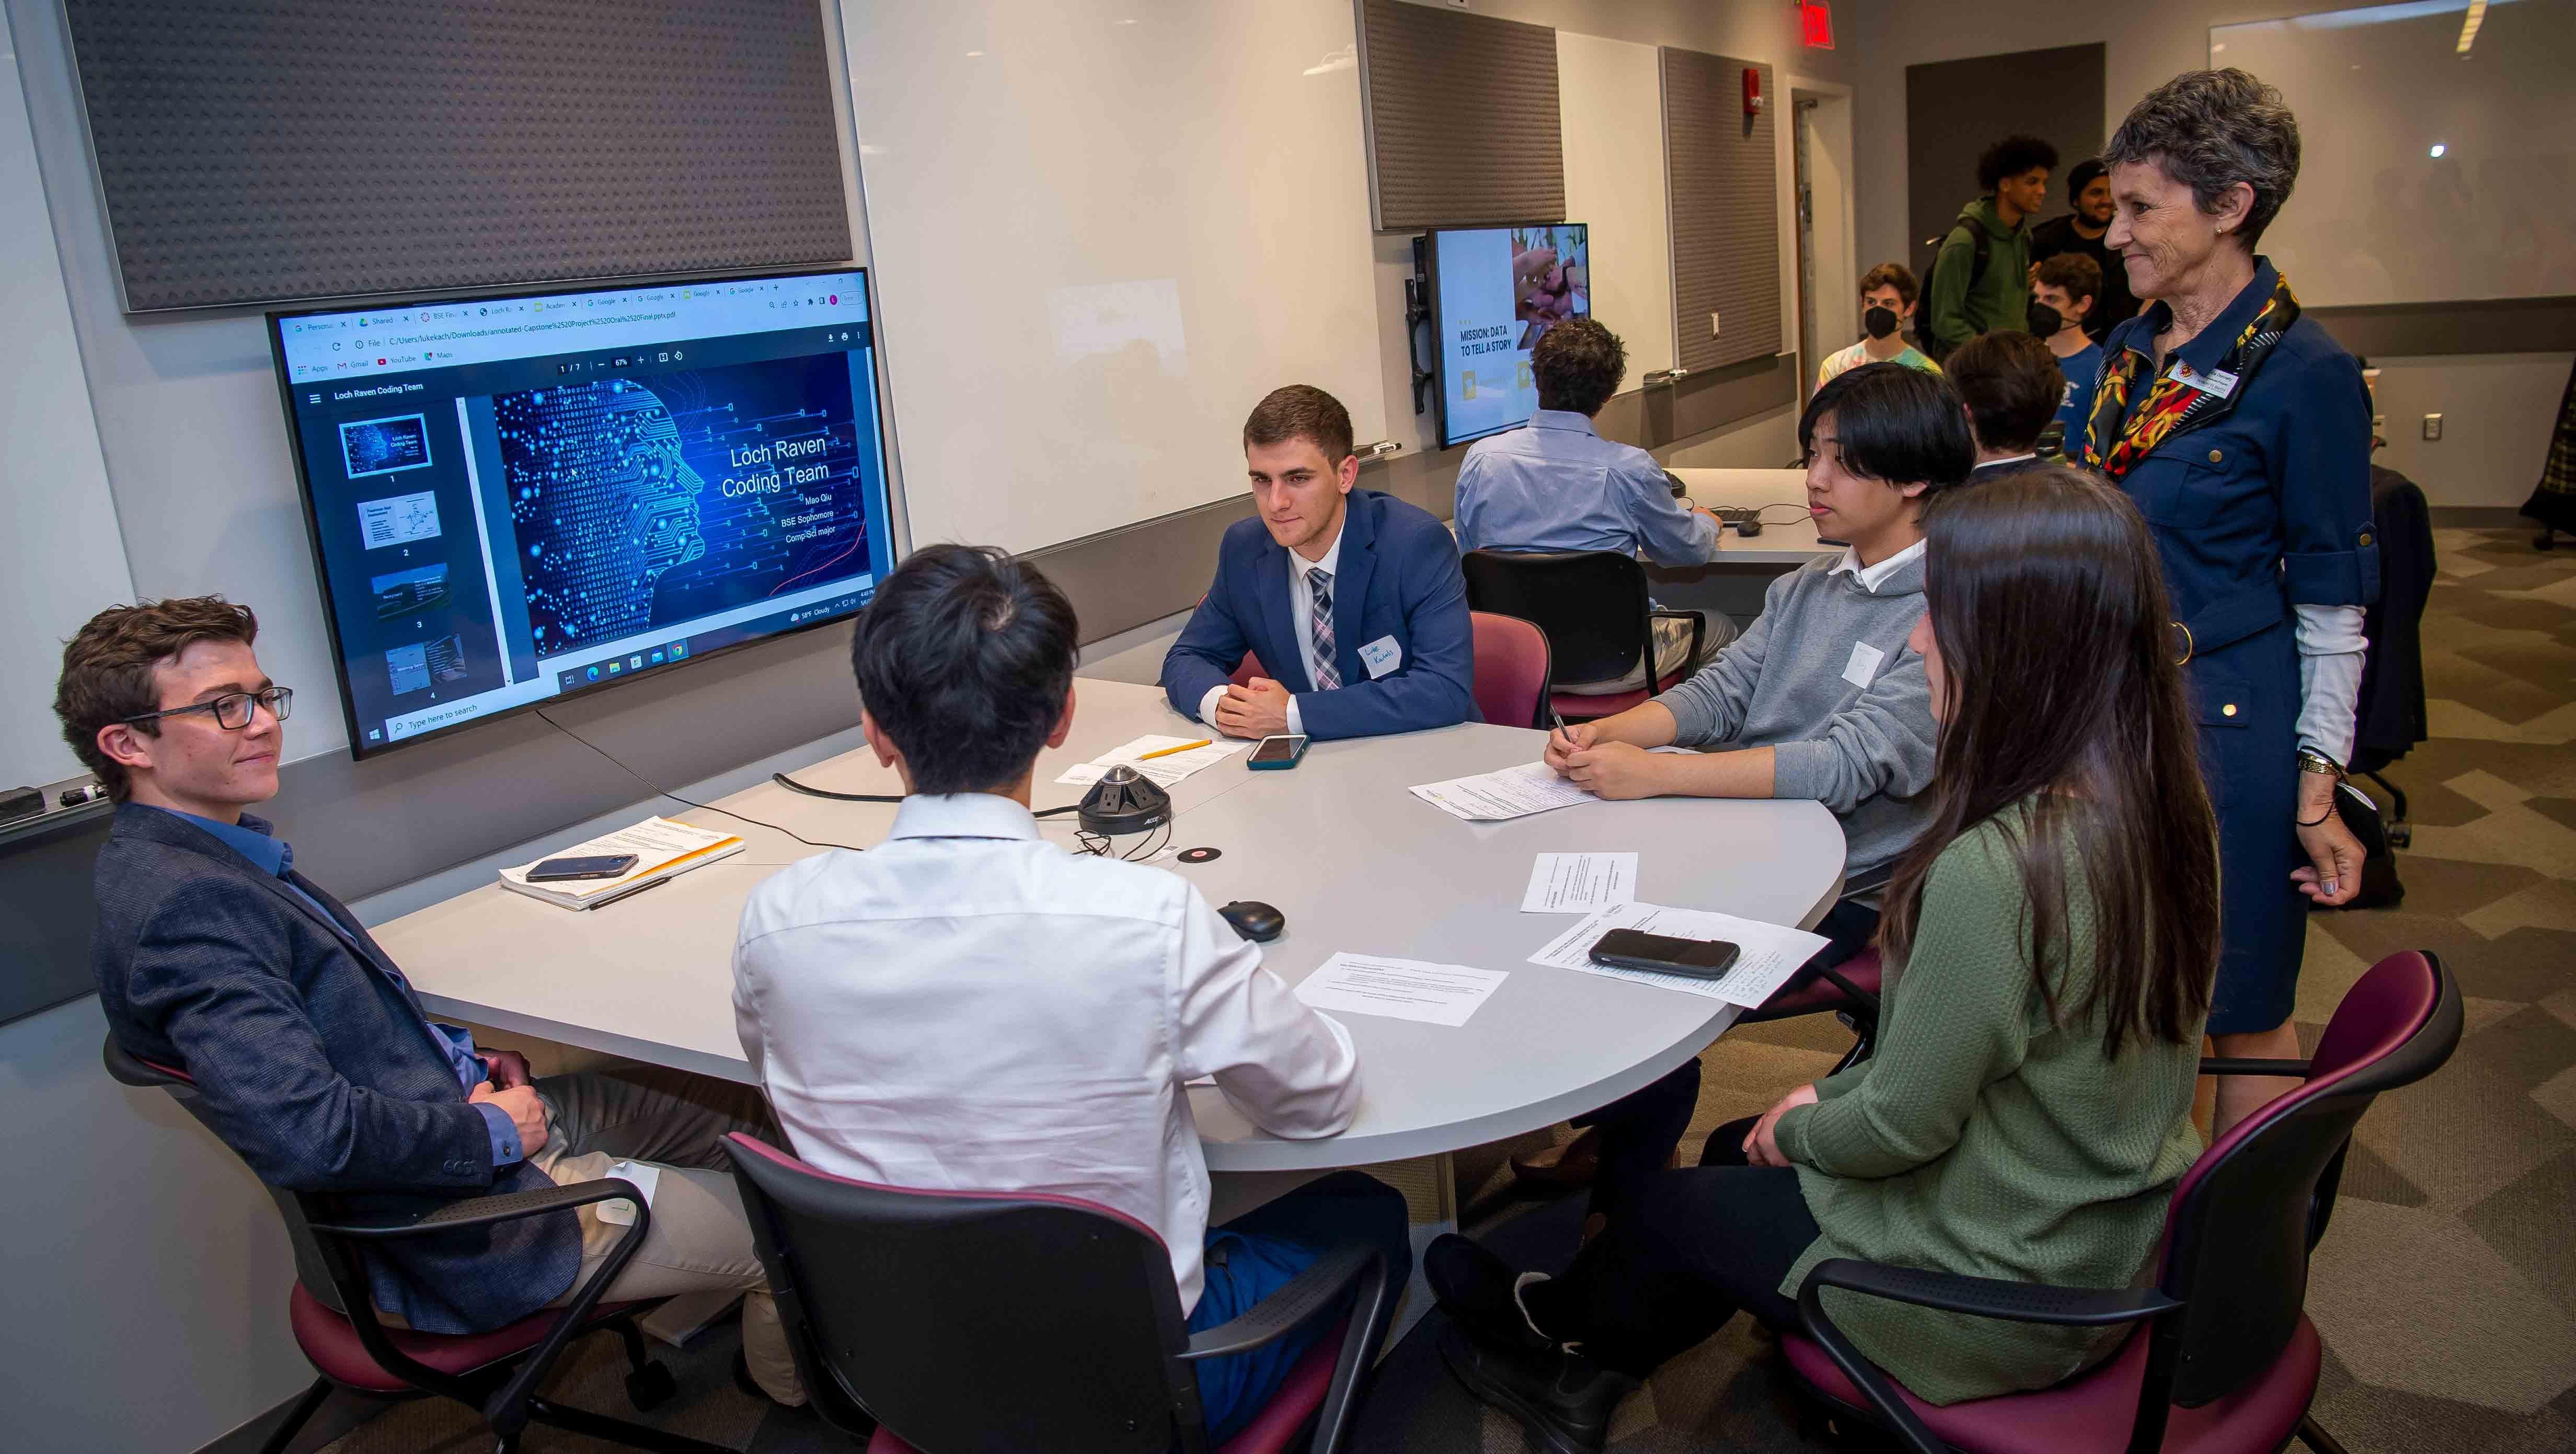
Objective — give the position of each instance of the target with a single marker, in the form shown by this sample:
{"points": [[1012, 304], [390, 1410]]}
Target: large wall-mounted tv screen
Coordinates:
{"points": [[516, 498], [1494, 290]]}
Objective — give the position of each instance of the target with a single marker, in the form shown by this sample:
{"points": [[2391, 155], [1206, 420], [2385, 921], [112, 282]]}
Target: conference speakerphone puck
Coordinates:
{"points": [[1197, 855]]}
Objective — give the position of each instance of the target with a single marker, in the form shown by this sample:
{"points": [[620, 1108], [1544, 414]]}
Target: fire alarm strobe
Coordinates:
{"points": [[1752, 90]]}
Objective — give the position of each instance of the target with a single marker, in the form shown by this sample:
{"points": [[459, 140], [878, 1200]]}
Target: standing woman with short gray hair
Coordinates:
{"points": [[2243, 433]]}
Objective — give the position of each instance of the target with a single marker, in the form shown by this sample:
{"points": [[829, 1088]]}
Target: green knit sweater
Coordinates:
{"points": [[1982, 1139]]}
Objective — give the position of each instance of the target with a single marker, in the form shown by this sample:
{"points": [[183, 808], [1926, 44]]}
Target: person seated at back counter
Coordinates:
{"points": [[2012, 389], [1558, 485], [1352, 600]]}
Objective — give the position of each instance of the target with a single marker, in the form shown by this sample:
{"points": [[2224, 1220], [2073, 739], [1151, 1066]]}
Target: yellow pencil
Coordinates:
{"points": [[1168, 751]]}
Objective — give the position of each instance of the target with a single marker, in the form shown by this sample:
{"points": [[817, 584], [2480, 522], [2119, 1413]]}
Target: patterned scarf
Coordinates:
{"points": [[2115, 439]]}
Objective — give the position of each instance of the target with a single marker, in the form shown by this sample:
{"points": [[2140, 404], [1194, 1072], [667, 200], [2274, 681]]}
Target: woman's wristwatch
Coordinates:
{"points": [[2311, 760]]}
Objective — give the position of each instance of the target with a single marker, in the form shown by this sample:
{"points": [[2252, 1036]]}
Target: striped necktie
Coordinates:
{"points": [[1319, 585]]}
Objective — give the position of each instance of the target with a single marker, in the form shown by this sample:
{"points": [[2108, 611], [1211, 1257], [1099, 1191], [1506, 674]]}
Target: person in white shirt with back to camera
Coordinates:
{"points": [[969, 1007]]}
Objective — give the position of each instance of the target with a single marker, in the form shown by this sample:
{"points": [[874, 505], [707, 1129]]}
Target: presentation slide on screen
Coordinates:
{"points": [[1499, 290], [642, 504], [519, 498]]}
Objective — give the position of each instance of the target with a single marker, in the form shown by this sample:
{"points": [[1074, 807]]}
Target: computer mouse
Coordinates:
{"points": [[1254, 920], [1748, 528]]}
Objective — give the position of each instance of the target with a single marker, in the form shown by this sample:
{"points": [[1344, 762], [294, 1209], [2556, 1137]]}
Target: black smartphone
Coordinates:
{"points": [[1662, 954], [556, 870], [1277, 752]]}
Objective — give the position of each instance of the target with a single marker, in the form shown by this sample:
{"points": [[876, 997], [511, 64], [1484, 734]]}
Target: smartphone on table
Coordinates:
{"points": [[556, 870], [1663, 954], [1278, 752]]}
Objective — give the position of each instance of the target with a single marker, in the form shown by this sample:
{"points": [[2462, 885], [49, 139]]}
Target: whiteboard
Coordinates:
{"points": [[1103, 231], [1611, 112], [68, 559], [2376, 216]]}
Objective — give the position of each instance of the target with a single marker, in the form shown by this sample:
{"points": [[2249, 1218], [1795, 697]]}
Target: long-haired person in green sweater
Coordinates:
{"points": [[2050, 944]]}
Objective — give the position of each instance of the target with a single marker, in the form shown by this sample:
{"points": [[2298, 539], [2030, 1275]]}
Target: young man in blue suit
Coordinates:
{"points": [[215, 957], [1352, 599]]}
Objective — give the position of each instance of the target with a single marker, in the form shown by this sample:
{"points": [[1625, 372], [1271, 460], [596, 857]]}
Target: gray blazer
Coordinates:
{"points": [[318, 1065]]}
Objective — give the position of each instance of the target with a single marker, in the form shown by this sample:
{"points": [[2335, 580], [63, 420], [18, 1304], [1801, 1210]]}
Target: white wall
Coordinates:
{"points": [[54, 506], [148, 1271], [2145, 46], [2497, 412]]}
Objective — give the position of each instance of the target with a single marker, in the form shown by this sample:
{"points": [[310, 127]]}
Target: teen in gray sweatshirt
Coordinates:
{"points": [[1820, 698]]}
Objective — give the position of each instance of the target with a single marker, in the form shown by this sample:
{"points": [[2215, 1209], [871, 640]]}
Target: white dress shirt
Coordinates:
{"points": [[1301, 613], [1873, 576], [969, 1008]]}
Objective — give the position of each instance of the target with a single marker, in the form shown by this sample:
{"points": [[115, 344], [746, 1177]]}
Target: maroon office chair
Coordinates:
{"points": [[1248, 668], [1593, 608], [1512, 671], [495, 1373], [1850, 989], [980, 1323], [2227, 1361]]}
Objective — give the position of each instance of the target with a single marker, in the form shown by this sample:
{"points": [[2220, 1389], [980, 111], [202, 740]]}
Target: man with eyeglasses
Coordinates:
{"points": [[216, 957]]}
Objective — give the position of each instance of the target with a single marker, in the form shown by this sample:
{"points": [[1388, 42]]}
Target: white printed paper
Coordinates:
{"points": [[1400, 989], [1164, 771], [621, 1212], [659, 844], [1770, 953], [1513, 792], [1580, 883], [1862, 669]]}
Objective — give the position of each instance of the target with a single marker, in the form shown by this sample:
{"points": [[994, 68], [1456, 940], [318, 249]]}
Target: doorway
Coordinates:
{"points": [[1828, 270]]}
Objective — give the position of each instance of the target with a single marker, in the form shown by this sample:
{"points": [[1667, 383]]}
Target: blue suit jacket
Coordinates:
{"points": [[1398, 577], [318, 1067]]}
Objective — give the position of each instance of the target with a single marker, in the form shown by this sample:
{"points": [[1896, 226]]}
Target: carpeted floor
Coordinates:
{"points": [[2446, 1290]]}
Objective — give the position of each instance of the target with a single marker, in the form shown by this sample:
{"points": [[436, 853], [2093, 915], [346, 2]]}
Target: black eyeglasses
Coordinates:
{"points": [[232, 710]]}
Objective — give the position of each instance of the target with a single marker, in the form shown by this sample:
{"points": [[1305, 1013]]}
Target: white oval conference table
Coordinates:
{"points": [[1353, 860]]}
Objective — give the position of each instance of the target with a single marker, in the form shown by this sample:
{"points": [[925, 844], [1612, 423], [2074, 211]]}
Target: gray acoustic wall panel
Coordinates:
{"points": [[255, 151], [1462, 118], [1723, 178]]}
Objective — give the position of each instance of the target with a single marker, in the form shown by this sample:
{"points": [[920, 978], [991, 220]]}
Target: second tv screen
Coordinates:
{"points": [[1498, 289]]}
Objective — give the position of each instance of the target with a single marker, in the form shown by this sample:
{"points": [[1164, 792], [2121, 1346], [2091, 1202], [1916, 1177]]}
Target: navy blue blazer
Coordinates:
{"points": [[1398, 577], [319, 1068]]}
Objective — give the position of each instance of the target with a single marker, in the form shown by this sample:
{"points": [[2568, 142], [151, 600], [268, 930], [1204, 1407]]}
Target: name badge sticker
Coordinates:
{"points": [[1863, 667], [1381, 656], [2218, 383]]}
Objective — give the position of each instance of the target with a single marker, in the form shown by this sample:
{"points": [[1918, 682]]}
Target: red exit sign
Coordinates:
{"points": [[1816, 24]]}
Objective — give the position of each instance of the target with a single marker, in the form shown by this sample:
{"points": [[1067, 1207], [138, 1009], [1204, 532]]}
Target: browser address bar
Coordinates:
{"points": [[514, 330]]}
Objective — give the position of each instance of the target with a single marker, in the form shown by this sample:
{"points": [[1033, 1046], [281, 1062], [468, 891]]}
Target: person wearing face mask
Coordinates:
{"points": [[2079, 234], [2068, 287], [1887, 305], [1981, 277]]}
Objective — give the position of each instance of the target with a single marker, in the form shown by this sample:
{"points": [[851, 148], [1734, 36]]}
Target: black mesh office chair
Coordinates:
{"points": [[1593, 607], [989, 1323]]}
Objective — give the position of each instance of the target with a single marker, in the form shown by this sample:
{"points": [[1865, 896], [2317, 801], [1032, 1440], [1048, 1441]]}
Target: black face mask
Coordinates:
{"points": [[2044, 320], [1880, 322]]}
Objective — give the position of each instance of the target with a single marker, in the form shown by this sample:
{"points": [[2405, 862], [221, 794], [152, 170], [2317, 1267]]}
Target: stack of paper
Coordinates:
{"points": [[1163, 770], [661, 847], [1770, 953], [1513, 792]]}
